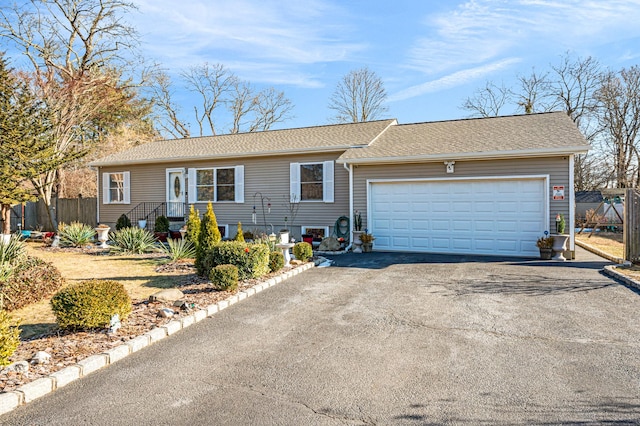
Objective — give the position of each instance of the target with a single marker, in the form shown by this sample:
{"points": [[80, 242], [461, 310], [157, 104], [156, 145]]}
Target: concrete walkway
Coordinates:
{"points": [[386, 339]]}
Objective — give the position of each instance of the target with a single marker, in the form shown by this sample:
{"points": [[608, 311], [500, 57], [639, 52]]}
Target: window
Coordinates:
{"points": [[311, 181], [115, 188], [216, 184]]}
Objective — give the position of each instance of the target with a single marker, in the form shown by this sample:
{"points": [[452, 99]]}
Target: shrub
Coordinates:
{"points": [[303, 251], [224, 277], [209, 237], [9, 338], [276, 261], [239, 235], [132, 240], [30, 281], [90, 304], [252, 260], [123, 222], [76, 234], [193, 226], [179, 249], [162, 224]]}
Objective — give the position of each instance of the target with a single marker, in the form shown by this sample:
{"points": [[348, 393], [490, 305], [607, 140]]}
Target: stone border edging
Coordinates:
{"points": [[600, 252], [44, 385], [610, 270]]}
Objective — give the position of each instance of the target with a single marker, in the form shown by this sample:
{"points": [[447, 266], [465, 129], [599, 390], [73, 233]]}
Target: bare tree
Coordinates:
{"points": [[488, 101], [270, 107], [620, 120], [534, 93], [360, 96], [75, 48], [166, 110]]}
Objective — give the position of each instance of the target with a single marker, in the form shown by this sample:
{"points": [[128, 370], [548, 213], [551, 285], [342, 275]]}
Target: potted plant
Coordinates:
{"points": [[142, 223], [103, 234], [367, 241], [284, 236], [161, 228], [545, 245], [560, 239], [357, 232]]}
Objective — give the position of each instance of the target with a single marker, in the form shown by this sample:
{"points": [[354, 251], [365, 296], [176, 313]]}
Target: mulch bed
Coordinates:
{"points": [[67, 348]]}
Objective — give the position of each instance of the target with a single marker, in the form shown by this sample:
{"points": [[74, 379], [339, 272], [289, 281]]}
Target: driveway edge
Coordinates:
{"points": [[45, 385], [600, 253], [610, 270]]}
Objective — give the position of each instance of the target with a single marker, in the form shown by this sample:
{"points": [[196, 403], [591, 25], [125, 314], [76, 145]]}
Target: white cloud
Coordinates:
{"points": [[457, 78]]}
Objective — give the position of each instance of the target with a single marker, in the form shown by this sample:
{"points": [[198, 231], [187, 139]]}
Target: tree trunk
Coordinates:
{"points": [[6, 219]]}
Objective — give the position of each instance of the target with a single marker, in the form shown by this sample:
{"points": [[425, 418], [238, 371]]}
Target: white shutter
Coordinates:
{"points": [[106, 195], [239, 184], [327, 182], [294, 182], [191, 176], [126, 188]]}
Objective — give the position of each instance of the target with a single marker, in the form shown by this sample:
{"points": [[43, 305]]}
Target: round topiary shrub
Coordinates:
{"points": [[123, 222], [9, 338], [91, 304], [29, 281], [276, 261], [303, 251], [224, 277]]}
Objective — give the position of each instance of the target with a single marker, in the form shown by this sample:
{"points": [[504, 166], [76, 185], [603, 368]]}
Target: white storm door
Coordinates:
{"points": [[175, 193]]}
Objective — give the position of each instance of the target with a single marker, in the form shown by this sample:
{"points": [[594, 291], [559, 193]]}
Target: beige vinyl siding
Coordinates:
{"points": [[556, 167], [266, 175]]}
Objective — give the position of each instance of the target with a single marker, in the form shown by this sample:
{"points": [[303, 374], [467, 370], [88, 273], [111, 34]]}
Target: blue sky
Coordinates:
{"points": [[431, 54]]}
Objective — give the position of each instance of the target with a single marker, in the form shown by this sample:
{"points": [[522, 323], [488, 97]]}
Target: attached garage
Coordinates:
{"points": [[496, 216]]}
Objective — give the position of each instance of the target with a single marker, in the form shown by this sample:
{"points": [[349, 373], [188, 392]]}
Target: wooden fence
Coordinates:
{"points": [[34, 215], [632, 225]]}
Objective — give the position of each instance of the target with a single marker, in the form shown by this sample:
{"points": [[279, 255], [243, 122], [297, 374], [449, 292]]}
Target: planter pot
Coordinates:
{"points": [[357, 242], [142, 223], [559, 246], [103, 236], [161, 236], [367, 247], [284, 237], [175, 235], [546, 253], [307, 238]]}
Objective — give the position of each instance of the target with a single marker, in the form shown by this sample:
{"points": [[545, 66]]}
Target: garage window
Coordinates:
{"points": [[312, 181]]}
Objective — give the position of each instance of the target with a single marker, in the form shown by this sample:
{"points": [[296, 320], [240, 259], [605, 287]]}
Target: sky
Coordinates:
{"points": [[430, 54]]}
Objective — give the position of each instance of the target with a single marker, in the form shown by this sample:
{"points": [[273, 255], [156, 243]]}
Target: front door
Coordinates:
{"points": [[175, 193]]}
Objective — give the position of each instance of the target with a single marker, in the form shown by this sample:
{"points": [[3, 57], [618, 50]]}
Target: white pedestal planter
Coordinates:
{"points": [[103, 236], [285, 252], [357, 242], [559, 246], [284, 237]]}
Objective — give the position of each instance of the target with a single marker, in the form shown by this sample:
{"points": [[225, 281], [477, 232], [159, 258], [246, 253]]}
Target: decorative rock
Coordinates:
{"points": [[167, 295], [41, 357], [166, 313], [17, 367], [295, 262], [329, 244]]}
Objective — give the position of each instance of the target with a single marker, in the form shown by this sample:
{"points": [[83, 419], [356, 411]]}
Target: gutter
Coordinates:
{"points": [[349, 169]]}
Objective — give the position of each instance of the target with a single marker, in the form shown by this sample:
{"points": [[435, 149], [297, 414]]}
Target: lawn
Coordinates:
{"points": [[609, 242], [137, 273]]}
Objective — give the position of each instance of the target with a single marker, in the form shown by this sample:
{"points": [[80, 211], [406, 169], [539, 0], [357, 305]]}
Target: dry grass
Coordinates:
{"points": [[608, 242], [136, 273]]}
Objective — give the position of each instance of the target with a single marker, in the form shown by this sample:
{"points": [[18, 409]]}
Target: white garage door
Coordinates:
{"points": [[500, 217]]}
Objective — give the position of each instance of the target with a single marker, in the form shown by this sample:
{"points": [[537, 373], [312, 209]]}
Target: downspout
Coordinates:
{"points": [[349, 168], [572, 207], [98, 186]]}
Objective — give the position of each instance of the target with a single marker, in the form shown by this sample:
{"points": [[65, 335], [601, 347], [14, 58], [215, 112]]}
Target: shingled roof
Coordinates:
{"points": [[496, 137], [336, 137]]}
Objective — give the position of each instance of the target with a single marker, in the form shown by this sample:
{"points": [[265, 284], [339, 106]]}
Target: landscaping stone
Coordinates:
{"points": [[172, 327], [36, 389], [157, 333], [66, 375], [117, 353], [41, 357], [329, 244], [138, 343], [92, 363], [188, 320], [17, 367], [9, 401], [167, 295], [199, 315]]}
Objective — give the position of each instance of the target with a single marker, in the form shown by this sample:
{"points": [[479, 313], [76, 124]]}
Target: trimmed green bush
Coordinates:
{"points": [[30, 281], [193, 226], [224, 277], [123, 222], [303, 251], [209, 237], [9, 338], [252, 260], [132, 240], [162, 224], [76, 234], [90, 304], [179, 249], [276, 261]]}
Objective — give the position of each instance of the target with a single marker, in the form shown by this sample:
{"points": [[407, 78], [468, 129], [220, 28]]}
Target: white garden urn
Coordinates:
{"points": [[559, 246], [103, 236], [357, 242]]}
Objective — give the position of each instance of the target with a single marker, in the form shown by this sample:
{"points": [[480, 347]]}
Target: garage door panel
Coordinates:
{"points": [[502, 216]]}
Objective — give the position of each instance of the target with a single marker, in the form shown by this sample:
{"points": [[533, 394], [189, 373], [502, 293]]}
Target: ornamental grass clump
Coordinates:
{"points": [[76, 234], [303, 251], [132, 241], [224, 277], [91, 304]]}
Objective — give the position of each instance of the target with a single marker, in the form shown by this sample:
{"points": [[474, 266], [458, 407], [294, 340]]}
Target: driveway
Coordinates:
{"points": [[386, 339]]}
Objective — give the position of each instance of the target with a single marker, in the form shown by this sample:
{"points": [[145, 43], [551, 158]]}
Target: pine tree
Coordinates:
{"points": [[209, 236], [239, 235], [193, 226]]}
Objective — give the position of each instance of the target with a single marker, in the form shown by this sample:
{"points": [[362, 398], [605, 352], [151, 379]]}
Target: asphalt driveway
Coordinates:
{"points": [[386, 339]]}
